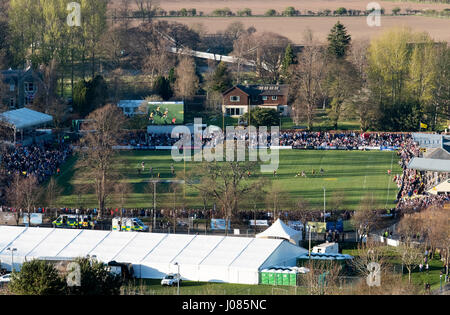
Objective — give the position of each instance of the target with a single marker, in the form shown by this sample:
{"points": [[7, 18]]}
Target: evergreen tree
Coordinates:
{"points": [[289, 59], [338, 41], [221, 79], [263, 117], [96, 279], [161, 86], [37, 277]]}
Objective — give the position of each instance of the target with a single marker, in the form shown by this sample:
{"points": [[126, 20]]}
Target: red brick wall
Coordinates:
{"points": [[235, 92], [281, 100]]}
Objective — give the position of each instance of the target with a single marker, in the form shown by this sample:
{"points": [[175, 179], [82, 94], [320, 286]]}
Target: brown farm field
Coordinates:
{"points": [[293, 27], [261, 6]]}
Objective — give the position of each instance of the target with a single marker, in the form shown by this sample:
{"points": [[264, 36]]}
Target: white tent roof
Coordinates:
{"points": [[153, 255], [280, 230], [25, 118]]}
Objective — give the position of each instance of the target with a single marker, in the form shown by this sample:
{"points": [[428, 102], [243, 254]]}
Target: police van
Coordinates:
{"points": [[74, 221], [129, 224]]}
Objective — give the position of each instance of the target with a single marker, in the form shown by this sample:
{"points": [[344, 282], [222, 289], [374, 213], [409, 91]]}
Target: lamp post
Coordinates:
{"points": [[324, 204], [178, 276], [154, 206], [12, 250]]}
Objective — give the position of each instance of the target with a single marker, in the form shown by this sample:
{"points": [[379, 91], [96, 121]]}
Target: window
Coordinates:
{"points": [[28, 99], [12, 87], [235, 98], [274, 98], [233, 111], [264, 98], [29, 87], [12, 102]]}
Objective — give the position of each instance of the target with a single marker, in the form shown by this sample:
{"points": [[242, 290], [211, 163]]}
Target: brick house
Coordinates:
{"points": [[21, 87], [238, 99]]}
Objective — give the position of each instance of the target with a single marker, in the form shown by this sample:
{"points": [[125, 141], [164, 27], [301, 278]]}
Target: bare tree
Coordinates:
{"points": [[244, 48], [30, 193], [102, 132], [367, 253], [269, 56], [409, 227], [358, 57], [322, 278], [337, 200], [47, 100], [411, 257], [187, 82], [122, 191], [158, 61], [228, 182], [14, 195], [146, 8], [306, 80], [53, 191], [277, 199]]}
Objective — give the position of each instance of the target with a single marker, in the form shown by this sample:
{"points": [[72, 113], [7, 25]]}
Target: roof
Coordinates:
{"points": [[438, 153], [130, 103], [152, 249], [434, 165], [325, 256], [138, 103], [11, 75], [280, 230], [25, 118], [263, 89]]}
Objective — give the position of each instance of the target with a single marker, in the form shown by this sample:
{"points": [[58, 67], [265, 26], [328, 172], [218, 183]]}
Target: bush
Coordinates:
{"points": [[222, 12], [270, 12], [183, 12], [341, 11], [96, 279], [245, 12], [161, 86], [37, 277], [289, 11], [396, 10], [263, 117]]}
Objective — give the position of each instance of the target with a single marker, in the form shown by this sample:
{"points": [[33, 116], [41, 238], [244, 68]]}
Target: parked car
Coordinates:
{"points": [[5, 278], [171, 280]]}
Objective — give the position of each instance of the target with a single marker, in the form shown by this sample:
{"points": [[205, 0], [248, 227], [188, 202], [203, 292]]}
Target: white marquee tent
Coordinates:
{"points": [[280, 230], [25, 118], [200, 257]]}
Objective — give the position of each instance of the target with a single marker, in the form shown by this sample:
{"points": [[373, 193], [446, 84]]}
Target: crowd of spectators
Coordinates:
{"points": [[296, 139], [413, 184], [41, 160]]}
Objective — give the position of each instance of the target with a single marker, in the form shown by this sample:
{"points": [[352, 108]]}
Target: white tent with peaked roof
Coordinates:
{"points": [[280, 230]]}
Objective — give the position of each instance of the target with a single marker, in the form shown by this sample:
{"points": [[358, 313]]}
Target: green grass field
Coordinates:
{"points": [[349, 174], [153, 287]]}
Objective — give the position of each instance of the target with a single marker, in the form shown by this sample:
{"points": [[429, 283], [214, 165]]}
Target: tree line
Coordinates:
{"points": [[392, 82]]}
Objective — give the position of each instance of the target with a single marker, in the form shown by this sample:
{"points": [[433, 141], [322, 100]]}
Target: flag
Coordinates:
{"points": [[422, 125]]}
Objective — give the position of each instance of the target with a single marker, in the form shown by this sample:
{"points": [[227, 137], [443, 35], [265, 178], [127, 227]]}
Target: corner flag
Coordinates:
{"points": [[422, 125]]}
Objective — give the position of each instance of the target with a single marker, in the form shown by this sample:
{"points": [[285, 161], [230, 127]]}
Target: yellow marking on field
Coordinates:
{"points": [[331, 178]]}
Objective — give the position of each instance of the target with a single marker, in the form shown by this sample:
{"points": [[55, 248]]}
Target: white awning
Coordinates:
{"points": [[25, 118], [280, 230], [433, 165]]}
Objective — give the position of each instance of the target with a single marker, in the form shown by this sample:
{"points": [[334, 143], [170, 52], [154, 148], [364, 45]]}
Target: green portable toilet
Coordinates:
{"points": [[279, 277], [285, 274], [271, 276], [264, 276], [293, 278]]}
